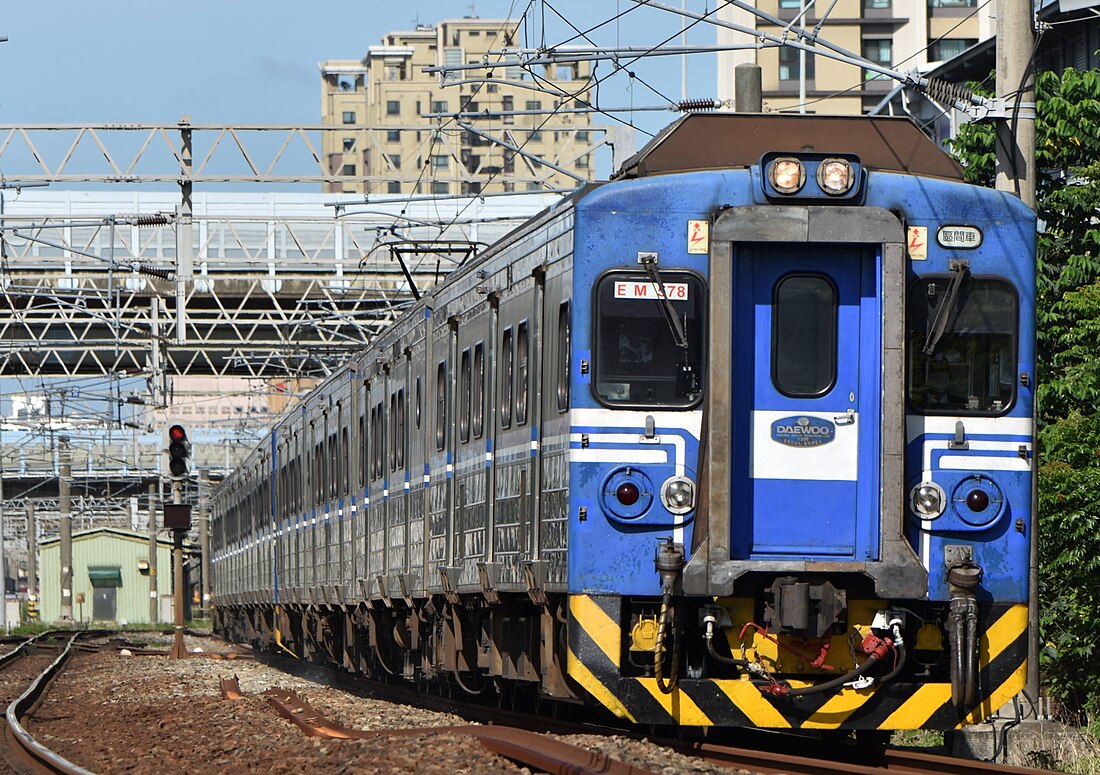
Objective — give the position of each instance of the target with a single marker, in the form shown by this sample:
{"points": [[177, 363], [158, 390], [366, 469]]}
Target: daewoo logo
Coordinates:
{"points": [[803, 431]]}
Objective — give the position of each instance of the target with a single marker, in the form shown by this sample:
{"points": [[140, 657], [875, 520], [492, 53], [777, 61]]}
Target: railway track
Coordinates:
{"points": [[764, 752], [25, 675], [27, 672]]}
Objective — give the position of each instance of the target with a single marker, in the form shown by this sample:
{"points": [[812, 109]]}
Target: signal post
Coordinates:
{"points": [[177, 517]]}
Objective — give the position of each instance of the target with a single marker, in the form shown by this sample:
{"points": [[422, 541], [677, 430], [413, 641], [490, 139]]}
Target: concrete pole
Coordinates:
{"points": [[204, 538], [1016, 85], [1015, 167], [32, 555], [64, 488], [154, 594], [747, 91]]}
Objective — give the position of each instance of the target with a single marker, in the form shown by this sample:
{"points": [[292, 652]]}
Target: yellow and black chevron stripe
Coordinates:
{"points": [[597, 641]]}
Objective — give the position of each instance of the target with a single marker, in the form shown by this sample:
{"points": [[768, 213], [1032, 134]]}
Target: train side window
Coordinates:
{"points": [[478, 420], [335, 466], [400, 428], [464, 390], [345, 462], [441, 406], [506, 368], [649, 342], [804, 325], [393, 431], [972, 366], [417, 408], [563, 356], [522, 372], [364, 452]]}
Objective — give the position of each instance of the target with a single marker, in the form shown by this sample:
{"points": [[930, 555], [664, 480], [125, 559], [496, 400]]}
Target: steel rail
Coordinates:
{"points": [[539, 752], [37, 757], [889, 761]]}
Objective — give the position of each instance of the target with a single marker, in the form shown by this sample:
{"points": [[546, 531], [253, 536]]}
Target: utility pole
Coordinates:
{"points": [[32, 555], [64, 489], [747, 93], [154, 594], [1016, 86], [1015, 167]]}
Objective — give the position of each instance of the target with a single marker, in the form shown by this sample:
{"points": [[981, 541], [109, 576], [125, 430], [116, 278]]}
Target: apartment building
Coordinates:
{"points": [[388, 145], [899, 34]]}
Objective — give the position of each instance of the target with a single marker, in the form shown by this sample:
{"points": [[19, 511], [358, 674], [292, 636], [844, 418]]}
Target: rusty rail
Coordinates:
{"points": [[887, 762], [539, 752]]}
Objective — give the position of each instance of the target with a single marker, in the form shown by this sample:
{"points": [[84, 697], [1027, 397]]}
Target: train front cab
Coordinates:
{"points": [[798, 559]]}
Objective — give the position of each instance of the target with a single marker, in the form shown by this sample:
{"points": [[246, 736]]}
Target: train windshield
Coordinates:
{"points": [[972, 368], [637, 358]]}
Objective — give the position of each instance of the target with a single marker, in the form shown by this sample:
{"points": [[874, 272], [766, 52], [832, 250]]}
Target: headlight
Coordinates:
{"points": [[927, 500], [678, 495], [835, 176], [787, 176]]}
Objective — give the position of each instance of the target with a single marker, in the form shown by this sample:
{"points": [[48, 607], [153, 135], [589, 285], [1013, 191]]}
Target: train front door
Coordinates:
{"points": [[806, 403]]}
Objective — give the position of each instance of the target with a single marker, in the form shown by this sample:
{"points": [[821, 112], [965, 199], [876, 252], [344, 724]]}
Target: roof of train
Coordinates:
{"points": [[700, 141]]}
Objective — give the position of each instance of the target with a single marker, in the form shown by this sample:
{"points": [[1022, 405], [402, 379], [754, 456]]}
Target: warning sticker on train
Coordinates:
{"points": [[698, 236], [803, 431], [643, 290]]}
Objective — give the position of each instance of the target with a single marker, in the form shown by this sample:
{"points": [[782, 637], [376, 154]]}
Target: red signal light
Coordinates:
{"points": [[177, 433]]}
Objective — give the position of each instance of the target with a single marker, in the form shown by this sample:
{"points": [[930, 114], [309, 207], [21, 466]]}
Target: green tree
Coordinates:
{"points": [[1068, 366]]}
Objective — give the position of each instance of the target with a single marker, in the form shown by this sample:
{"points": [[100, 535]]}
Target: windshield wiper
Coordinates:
{"points": [[679, 336], [960, 270]]}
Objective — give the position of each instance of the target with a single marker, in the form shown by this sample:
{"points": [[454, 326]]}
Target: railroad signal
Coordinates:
{"points": [[178, 452]]}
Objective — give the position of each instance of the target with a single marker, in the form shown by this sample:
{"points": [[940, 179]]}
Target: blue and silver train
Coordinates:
{"points": [[742, 437]]}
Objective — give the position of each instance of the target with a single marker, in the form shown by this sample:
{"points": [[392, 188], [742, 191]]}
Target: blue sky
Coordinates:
{"points": [[76, 61]]}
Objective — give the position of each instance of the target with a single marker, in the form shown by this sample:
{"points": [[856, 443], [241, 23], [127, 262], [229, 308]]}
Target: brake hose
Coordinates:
{"points": [[667, 614]]}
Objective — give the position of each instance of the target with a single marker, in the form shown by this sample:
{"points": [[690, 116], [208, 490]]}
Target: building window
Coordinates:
{"points": [[788, 64], [439, 106], [441, 188], [582, 162], [395, 72], [942, 50], [393, 187], [534, 136], [532, 105], [349, 116], [788, 4], [565, 72], [534, 186], [393, 107], [440, 161], [877, 5], [395, 160], [880, 52], [349, 143], [348, 169], [952, 3], [582, 135], [393, 136], [508, 104]]}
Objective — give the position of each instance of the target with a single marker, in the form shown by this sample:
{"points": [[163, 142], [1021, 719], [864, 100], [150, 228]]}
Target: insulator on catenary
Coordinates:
{"points": [[944, 91], [689, 106], [151, 220], [152, 271]]}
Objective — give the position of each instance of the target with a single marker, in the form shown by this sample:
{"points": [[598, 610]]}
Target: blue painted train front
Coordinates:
{"points": [[742, 437]]}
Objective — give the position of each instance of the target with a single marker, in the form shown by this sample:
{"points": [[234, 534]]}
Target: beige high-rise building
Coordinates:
{"points": [[899, 34], [389, 146]]}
